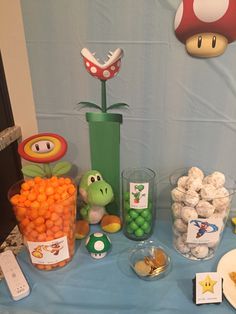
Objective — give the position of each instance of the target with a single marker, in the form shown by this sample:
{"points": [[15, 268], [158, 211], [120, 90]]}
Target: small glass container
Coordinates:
{"points": [[138, 203], [149, 261], [201, 202], [46, 215]]}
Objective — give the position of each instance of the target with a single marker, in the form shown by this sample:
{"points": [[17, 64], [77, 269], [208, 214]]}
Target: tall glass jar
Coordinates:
{"points": [[201, 202], [45, 210], [138, 203]]}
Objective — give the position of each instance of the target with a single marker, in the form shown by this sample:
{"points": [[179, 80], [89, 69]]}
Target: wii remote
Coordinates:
{"points": [[14, 276]]}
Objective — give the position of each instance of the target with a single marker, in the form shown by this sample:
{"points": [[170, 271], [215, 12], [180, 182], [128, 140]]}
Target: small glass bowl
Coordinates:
{"points": [[142, 261]]}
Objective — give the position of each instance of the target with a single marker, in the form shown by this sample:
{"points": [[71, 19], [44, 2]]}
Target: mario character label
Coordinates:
{"points": [[139, 195], [204, 230], [49, 252]]}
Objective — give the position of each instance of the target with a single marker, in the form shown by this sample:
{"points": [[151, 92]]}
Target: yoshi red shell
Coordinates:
{"points": [[98, 244]]}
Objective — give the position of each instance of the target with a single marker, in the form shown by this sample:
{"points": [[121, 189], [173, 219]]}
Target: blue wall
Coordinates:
{"points": [[182, 109]]}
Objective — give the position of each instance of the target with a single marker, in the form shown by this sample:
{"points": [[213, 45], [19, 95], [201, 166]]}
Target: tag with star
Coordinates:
{"points": [[207, 288]]}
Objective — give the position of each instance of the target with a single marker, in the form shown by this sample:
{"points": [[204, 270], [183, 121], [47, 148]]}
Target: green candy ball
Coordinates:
{"points": [[128, 218], [139, 221], [133, 214], [145, 213], [129, 230], [133, 226], [148, 217], [127, 206], [126, 196], [148, 229], [139, 232], [146, 226]]}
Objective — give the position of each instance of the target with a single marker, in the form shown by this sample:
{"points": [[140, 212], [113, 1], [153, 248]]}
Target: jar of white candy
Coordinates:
{"points": [[201, 202]]}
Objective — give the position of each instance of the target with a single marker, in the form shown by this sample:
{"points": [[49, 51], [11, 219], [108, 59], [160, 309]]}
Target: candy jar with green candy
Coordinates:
{"points": [[138, 213]]}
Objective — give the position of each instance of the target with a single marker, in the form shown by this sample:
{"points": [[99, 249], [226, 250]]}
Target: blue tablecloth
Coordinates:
{"points": [[108, 285]]}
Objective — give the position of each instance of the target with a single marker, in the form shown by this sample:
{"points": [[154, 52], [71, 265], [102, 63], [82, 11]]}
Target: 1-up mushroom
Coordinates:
{"points": [[98, 244], [206, 27]]}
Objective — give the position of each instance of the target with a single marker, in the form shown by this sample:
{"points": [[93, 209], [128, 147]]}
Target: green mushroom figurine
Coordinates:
{"points": [[96, 193], [98, 244]]}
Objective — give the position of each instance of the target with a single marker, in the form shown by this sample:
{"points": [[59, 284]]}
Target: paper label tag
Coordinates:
{"points": [[204, 230], [208, 288], [49, 252], [139, 195]]}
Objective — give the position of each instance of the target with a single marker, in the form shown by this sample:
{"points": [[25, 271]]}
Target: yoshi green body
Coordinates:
{"points": [[96, 194]]}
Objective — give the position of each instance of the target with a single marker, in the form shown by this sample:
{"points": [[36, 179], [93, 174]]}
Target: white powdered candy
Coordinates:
{"points": [[191, 198], [208, 192], [176, 209], [182, 181], [188, 213], [217, 179], [205, 209], [193, 183], [181, 246], [200, 251], [178, 194], [221, 201], [180, 226], [196, 172]]}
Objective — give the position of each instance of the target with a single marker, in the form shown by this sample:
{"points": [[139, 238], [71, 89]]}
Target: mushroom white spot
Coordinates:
{"points": [[93, 70], [88, 64], [99, 246], [210, 11], [113, 68], [179, 15], [98, 234], [106, 73]]}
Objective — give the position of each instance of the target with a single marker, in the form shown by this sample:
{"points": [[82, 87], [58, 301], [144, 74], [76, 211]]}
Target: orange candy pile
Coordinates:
{"points": [[46, 210]]}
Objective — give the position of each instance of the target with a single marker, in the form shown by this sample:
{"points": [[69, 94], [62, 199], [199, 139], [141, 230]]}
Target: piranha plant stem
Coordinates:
{"points": [[104, 96]]}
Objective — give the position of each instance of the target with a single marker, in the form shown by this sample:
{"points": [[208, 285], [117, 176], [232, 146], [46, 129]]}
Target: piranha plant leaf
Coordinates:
{"points": [[61, 168], [87, 104], [117, 105], [33, 171]]}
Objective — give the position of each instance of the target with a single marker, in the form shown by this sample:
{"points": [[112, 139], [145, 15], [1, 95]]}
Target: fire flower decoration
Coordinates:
{"points": [[44, 148], [206, 27], [103, 72]]}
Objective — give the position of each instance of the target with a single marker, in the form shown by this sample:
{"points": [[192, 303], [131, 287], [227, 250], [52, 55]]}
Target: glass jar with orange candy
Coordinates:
{"points": [[45, 205], [45, 209]]}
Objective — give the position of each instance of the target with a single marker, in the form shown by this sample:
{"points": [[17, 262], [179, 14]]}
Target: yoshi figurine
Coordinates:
{"points": [[96, 193]]}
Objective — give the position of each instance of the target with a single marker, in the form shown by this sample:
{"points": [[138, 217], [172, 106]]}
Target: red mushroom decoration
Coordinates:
{"points": [[206, 27], [102, 71]]}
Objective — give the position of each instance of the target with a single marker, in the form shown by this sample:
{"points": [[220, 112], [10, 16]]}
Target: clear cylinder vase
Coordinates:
{"points": [[201, 202], [46, 210], [138, 203]]}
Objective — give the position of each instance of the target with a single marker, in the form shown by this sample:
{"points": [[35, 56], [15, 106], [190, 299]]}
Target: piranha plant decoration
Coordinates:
{"points": [[104, 127], [44, 148], [206, 27]]}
